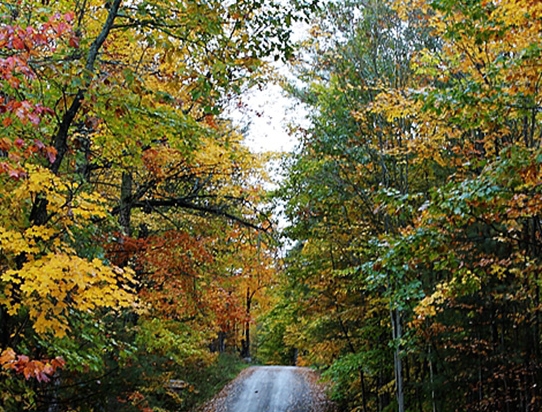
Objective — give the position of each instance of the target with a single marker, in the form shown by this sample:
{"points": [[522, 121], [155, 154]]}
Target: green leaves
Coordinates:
{"points": [[415, 198]]}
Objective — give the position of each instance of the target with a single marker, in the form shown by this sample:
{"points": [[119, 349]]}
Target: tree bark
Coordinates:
{"points": [[38, 215], [60, 140], [246, 340], [125, 207], [398, 364]]}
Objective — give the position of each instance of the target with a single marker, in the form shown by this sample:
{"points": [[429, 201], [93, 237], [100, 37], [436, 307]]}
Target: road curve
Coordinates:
{"points": [[272, 389]]}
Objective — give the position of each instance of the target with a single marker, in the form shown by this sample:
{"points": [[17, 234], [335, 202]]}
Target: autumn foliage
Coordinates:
{"points": [[123, 193], [415, 202], [41, 370]]}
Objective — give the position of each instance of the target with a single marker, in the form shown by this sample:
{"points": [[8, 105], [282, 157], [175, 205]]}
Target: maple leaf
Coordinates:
{"points": [[7, 357], [50, 153]]}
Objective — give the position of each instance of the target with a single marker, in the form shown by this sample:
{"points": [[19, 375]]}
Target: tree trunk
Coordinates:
{"points": [[125, 209], [363, 390], [432, 380], [245, 343], [5, 328], [398, 364], [38, 215]]}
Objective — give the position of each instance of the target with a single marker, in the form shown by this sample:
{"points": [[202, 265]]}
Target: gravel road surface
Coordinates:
{"points": [[272, 389]]}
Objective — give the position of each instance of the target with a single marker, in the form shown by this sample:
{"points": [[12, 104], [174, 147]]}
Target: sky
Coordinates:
{"points": [[268, 111], [266, 114]]}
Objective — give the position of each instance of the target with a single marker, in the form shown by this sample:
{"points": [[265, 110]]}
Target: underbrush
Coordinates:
{"points": [[206, 382]]}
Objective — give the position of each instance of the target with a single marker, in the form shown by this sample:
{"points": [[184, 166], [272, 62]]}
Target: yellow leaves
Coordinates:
{"points": [[43, 274], [427, 306], [417, 130], [465, 281], [402, 8], [494, 49], [393, 104], [87, 206], [211, 154], [14, 242], [520, 14], [498, 271], [65, 200], [52, 285], [490, 42], [426, 63], [39, 232]]}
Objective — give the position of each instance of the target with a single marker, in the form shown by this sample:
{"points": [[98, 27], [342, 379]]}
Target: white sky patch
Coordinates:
{"points": [[265, 115]]}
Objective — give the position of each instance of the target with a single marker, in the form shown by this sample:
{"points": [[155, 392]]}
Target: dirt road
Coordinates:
{"points": [[272, 389]]}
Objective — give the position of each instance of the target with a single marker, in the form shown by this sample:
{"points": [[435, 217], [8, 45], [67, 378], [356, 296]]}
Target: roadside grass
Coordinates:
{"points": [[208, 381]]}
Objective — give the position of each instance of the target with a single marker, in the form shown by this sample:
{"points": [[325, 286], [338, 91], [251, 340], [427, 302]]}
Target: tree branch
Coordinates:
{"points": [[60, 140], [185, 204]]}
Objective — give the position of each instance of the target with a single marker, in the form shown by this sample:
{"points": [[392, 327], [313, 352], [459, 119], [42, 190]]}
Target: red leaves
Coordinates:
{"points": [[18, 151], [69, 17], [24, 111], [17, 43], [13, 172], [41, 370], [19, 46], [30, 39], [50, 154], [73, 42]]}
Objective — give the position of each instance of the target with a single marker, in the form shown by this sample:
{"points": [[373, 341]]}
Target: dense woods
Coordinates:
{"points": [[137, 242], [415, 201]]}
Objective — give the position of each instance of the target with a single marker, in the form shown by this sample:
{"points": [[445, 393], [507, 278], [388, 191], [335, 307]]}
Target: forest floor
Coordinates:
{"points": [[272, 389]]}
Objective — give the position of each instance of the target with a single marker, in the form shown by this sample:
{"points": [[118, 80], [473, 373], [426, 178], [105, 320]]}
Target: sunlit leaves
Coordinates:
{"points": [[55, 283], [52, 280]]}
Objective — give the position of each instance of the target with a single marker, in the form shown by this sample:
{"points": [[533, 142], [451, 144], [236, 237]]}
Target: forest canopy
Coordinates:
{"points": [[135, 235], [415, 206], [138, 241]]}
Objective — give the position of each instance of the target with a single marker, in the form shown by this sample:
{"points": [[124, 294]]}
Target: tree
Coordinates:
{"points": [[111, 115], [393, 202], [351, 169]]}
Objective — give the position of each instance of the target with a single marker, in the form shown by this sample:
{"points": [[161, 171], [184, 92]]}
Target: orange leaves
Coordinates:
{"points": [[172, 263], [523, 205], [200, 278], [226, 305], [7, 356], [41, 370], [163, 162]]}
